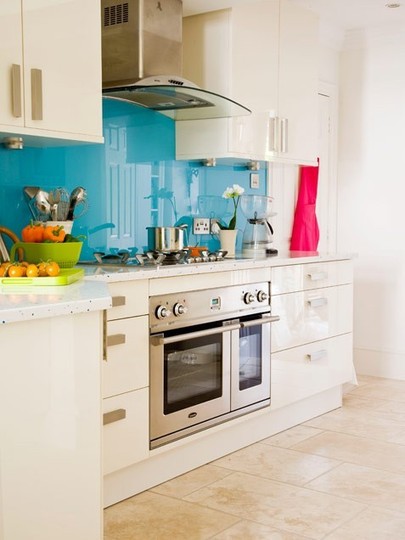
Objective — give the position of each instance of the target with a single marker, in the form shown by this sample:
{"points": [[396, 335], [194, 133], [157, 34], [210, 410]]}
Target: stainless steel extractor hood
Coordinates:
{"points": [[142, 59]]}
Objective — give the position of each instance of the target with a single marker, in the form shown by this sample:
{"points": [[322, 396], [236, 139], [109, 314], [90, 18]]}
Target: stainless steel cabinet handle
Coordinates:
{"points": [[273, 134], [318, 302], [36, 94], [116, 339], [265, 320], [284, 135], [16, 102], [105, 336], [317, 276], [317, 355], [118, 301], [160, 340], [114, 416]]}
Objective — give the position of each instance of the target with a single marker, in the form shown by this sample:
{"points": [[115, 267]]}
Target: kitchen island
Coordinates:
{"points": [[53, 448]]}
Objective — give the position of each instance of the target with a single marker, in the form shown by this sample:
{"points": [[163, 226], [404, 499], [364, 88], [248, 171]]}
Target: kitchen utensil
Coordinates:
{"points": [[64, 203], [42, 204], [166, 239], [30, 192], [77, 196], [65, 254], [54, 200]]}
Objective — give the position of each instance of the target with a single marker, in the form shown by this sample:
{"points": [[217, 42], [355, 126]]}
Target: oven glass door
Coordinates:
{"points": [[251, 362], [190, 377]]}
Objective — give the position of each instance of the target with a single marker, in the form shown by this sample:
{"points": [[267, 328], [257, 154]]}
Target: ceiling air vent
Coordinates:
{"points": [[117, 14]]}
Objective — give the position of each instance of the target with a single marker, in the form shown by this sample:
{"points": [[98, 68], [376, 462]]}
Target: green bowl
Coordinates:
{"points": [[65, 254]]}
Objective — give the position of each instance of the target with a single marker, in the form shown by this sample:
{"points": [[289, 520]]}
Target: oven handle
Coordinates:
{"points": [[265, 320], [159, 340]]}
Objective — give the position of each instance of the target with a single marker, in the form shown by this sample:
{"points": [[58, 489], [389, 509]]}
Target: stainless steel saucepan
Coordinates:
{"points": [[166, 239]]}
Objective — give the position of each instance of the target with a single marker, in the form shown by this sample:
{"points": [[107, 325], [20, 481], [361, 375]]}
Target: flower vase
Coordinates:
{"points": [[227, 240]]}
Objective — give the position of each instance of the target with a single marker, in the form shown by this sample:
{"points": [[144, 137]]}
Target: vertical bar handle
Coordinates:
{"points": [[36, 94], [273, 134], [105, 336], [284, 135], [16, 102]]}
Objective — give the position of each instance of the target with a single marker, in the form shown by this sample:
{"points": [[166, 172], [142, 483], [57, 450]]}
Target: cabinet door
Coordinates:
{"points": [[126, 430], [62, 41], [298, 84], [304, 371], [11, 54], [311, 316]]}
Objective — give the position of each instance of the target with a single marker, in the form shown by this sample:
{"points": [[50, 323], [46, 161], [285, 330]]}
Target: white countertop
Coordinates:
{"points": [[111, 273], [19, 303]]}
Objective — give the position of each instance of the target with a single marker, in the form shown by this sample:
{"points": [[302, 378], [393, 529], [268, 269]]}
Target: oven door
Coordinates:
{"points": [[190, 377], [250, 367]]}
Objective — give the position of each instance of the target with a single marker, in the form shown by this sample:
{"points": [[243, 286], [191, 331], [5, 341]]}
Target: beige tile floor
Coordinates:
{"points": [[340, 476]]}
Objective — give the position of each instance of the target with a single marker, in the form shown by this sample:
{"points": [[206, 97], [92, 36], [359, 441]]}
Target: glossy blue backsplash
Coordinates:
{"points": [[132, 181]]}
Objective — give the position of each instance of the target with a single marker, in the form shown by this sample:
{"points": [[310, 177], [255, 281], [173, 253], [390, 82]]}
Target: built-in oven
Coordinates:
{"points": [[210, 358]]}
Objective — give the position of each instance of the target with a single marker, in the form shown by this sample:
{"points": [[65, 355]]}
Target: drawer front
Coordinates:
{"points": [[311, 316], [125, 430], [127, 364], [285, 279], [304, 371], [129, 298]]}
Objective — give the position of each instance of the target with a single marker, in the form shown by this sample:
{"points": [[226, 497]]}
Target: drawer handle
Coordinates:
{"points": [[318, 302], [318, 355], [114, 416], [318, 276], [116, 339], [118, 301]]}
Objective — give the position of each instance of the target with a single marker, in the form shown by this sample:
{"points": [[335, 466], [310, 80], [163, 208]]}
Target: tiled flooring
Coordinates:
{"points": [[340, 476]]}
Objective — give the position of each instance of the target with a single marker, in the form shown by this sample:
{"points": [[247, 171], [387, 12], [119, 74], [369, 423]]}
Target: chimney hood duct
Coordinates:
{"points": [[141, 39]]}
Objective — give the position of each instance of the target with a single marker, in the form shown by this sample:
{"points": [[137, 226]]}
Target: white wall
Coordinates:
{"points": [[371, 195]]}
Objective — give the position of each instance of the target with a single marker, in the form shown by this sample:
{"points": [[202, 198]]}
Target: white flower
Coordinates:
{"points": [[231, 192]]}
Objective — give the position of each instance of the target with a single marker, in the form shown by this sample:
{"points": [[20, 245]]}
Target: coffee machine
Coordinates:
{"points": [[258, 234]]}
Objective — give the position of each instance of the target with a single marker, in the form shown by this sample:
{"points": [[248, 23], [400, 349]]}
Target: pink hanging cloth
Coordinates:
{"points": [[305, 232]]}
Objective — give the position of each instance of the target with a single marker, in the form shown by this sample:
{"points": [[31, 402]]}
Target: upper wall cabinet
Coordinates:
{"points": [[263, 55], [50, 69]]}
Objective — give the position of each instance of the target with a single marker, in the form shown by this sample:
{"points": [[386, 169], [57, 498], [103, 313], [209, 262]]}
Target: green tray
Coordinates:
{"points": [[66, 277]]}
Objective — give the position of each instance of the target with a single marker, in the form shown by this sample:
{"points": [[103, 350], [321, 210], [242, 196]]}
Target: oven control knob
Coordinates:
{"points": [[162, 312], [179, 309], [249, 298], [262, 296]]}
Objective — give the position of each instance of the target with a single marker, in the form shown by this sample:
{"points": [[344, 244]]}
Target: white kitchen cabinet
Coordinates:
{"points": [[263, 55], [125, 430], [50, 69], [126, 376], [312, 343]]}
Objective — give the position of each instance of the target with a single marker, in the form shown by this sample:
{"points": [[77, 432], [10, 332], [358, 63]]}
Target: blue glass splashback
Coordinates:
{"points": [[133, 181]]}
